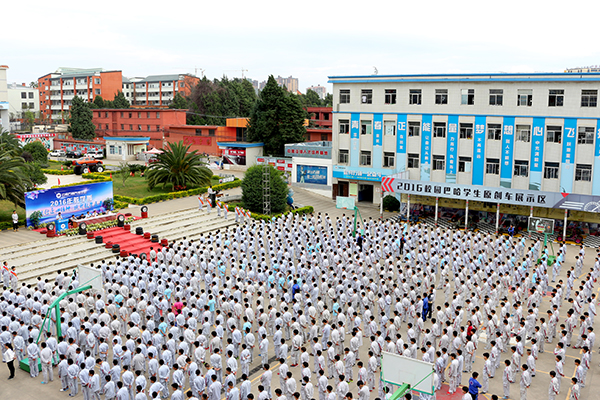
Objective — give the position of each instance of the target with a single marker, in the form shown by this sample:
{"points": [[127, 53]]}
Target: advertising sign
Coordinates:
{"points": [[72, 200], [540, 225], [282, 164], [197, 140], [311, 174]]}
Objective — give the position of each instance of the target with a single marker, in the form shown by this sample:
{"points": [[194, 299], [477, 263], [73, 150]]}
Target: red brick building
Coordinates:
{"points": [[319, 124]]}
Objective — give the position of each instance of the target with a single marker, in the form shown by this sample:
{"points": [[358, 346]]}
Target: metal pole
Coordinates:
{"points": [[497, 217], [381, 205], [408, 209], [530, 215], [467, 216], [436, 209], [565, 226]]}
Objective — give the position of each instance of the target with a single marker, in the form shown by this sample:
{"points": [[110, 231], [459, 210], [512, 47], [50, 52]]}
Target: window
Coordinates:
{"points": [[414, 96], [147, 115], [130, 115], [441, 96], [157, 114], [554, 134], [413, 160], [23, 106], [139, 114], [122, 127], [343, 156], [524, 97], [31, 105], [344, 126], [414, 128], [130, 127], [198, 132], [111, 149], [121, 114], [492, 166], [389, 128], [324, 137], [366, 96], [556, 97], [148, 128], [388, 159], [439, 163], [583, 172], [467, 97], [365, 128], [466, 131], [496, 96], [589, 98], [157, 128], [523, 133], [139, 127], [97, 81], [521, 168], [494, 132], [585, 135], [550, 170], [31, 95], [439, 129], [106, 114], [97, 91], [464, 164], [390, 96], [23, 95], [344, 96], [365, 158], [211, 132]]}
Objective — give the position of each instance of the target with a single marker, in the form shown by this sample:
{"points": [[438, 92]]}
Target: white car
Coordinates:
{"points": [[58, 153], [97, 154]]}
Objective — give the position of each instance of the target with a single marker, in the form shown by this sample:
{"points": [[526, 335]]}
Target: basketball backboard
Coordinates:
{"points": [[346, 203], [398, 370], [90, 276]]}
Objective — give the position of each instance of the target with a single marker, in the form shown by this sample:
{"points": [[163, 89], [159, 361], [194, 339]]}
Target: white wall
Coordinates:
{"points": [[324, 190]]}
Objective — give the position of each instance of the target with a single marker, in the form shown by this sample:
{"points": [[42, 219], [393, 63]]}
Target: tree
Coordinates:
{"points": [[179, 102], [80, 121], [36, 175], [311, 99], [38, 152], [14, 178], [120, 101], [252, 189], [124, 171], [328, 100], [178, 167], [277, 118], [9, 143], [29, 118], [98, 102]]}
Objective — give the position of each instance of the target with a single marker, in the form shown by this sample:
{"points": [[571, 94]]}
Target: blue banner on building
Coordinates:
{"points": [[596, 170], [537, 153], [354, 139], [568, 155], [452, 149], [69, 201], [311, 174], [377, 140], [479, 150], [402, 133], [426, 129], [508, 143]]}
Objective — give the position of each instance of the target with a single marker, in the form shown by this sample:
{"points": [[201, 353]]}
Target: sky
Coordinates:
{"points": [[309, 40]]}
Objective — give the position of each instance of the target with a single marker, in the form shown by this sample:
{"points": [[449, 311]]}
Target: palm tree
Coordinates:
{"points": [[14, 178], [9, 142], [178, 167]]}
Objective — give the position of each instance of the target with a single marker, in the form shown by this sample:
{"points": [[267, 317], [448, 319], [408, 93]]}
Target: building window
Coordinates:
{"points": [[211, 132], [366, 96], [30, 95], [464, 164], [344, 126], [523, 133], [583, 172], [122, 127], [121, 114], [390, 96], [388, 159], [324, 137], [556, 97], [130, 127], [139, 114], [147, 115], [439, 129], [365, 128], [441, 96], [550, 170], [23, 95], [466, 131], [492, 166], [344, 96], [585, 135], [496, 96], [413, 160], [343, 156], [97, 81], [554, 134], [439, 163], [24, 106], [389, 128], [139, 127], [467, 97], [524, 97], [521, 168], [589, 98], [157, 128], [111, 149], [97, 91], [198, 132], [157, 114], [130, 115], [494, 132], [414, 96], [365, 158], [414, 128], [31, 105]]}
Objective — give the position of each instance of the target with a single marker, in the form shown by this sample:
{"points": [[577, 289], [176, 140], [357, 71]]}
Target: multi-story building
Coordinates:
{"points": [[591, 68], [157, 90], [319, 124], [22, 98], [320, 90], [57, 89], [4, 105], [530, 140]]}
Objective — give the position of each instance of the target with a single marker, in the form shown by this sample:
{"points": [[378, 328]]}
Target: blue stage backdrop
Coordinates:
{"points": [[69, 201], [311, 174]]}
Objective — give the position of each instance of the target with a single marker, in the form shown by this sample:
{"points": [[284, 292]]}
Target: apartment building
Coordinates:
{"points": [[22, 97], [524, 139], [4, 105], [157, 90], [319, 124]]}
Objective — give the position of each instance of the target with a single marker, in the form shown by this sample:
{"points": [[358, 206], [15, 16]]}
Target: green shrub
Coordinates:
{"points": [[57, 172], [391, 203]]}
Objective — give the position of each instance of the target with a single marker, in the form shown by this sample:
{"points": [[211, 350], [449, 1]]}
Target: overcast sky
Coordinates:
{"points": [[310, 40]]}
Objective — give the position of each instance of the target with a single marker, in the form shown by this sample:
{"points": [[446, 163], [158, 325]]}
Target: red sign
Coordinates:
{"points": [[260, 159], [280, 161], [281, 168], [235, 152], [197, 140]]}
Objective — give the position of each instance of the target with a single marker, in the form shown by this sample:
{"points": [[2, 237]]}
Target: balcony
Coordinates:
{"points": [[55, 97]]}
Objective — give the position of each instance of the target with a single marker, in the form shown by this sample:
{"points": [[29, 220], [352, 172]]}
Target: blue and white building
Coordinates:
{"points": [[519, 133]]}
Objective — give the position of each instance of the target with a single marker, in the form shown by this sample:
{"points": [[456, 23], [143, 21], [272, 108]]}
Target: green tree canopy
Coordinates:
{"points": [[15, 178], [9, 143], [80, 121], [98, 102], [178, 167], [179, 102], [277, 118], [252, 189], [38, 152], [120, 101]]}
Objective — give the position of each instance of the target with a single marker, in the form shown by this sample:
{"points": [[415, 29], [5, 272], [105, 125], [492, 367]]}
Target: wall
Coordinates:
{"points": [[4, 105], [324, 190]]}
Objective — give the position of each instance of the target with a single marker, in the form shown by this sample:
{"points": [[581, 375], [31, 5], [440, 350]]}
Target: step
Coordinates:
{"points": [[38, 246], [152, 225]]}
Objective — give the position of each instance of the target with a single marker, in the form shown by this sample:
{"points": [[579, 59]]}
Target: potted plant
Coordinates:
{"points": [[34, 218]]}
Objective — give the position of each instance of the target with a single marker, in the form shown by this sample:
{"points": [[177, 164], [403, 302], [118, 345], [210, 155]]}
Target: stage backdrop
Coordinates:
{"points": [[71, 200]]}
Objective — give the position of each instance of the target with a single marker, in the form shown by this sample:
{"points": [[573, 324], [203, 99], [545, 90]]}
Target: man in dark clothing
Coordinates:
{"points": [[359, 241], [474, 386]]}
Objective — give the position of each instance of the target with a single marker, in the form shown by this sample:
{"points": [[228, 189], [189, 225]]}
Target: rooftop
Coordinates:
{"points": [[479, 77]]}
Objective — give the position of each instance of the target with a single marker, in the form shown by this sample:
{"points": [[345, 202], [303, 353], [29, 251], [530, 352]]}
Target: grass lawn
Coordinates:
{"points": [[6, 209], [136, 186], [55, 165]]}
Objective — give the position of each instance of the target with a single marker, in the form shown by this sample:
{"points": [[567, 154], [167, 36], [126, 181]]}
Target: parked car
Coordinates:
{"points": [[87, 164], [73, 154], [97, 154], [58, 153]]}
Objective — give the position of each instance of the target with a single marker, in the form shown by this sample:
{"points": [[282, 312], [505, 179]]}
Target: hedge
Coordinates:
{"points": [[57, 171], [8, 224], [81, 183], [263, 217]]}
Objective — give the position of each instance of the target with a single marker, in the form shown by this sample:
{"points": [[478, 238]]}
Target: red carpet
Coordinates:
{"points": [[130, 242]]}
